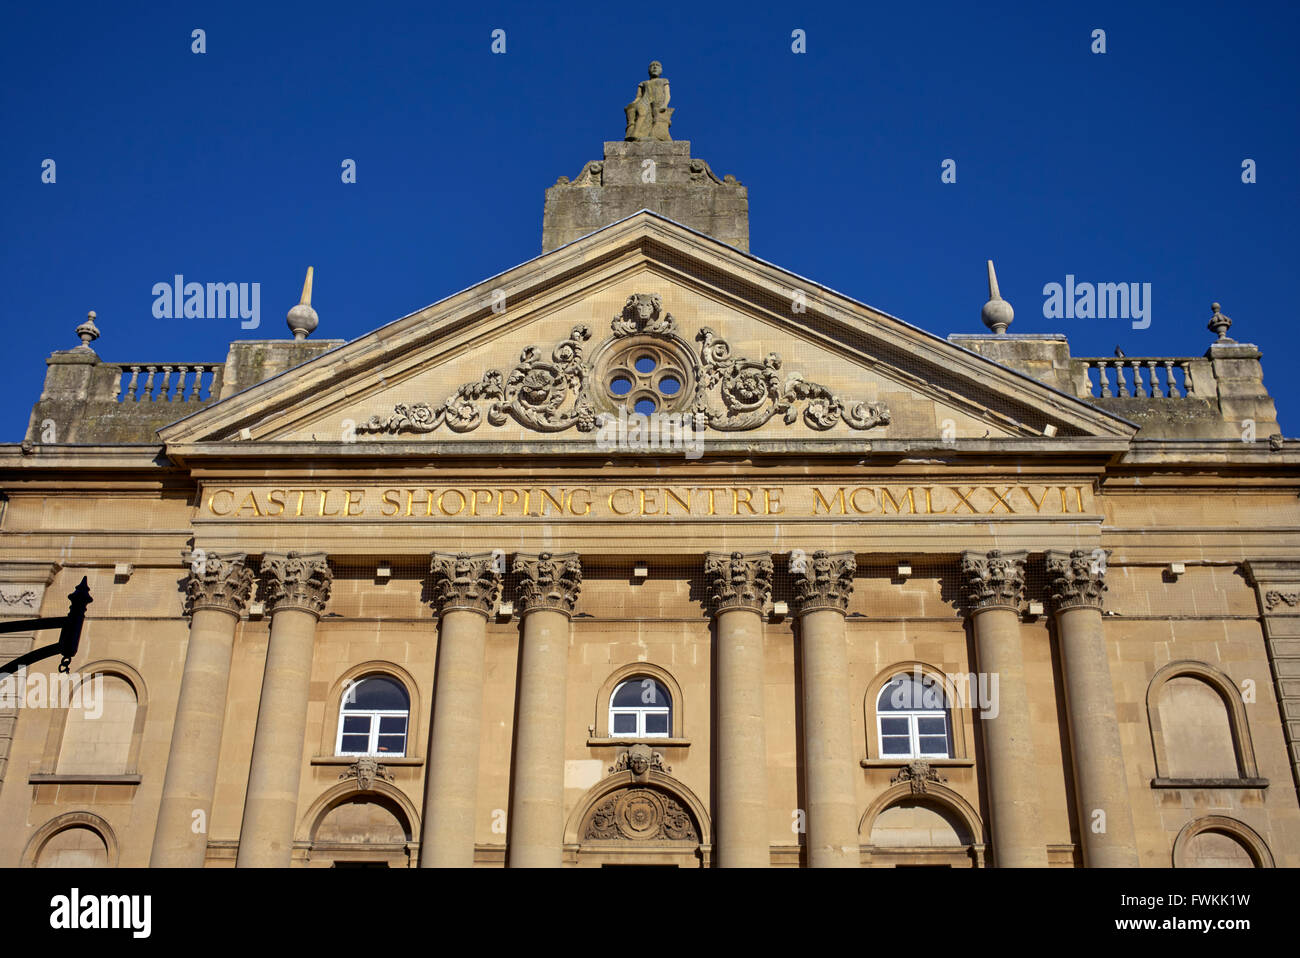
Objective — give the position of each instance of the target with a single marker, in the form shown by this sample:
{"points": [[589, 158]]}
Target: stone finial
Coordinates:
{"points": [[88, 332], [1219, 324], [997, 312], [464, 581], [302, 319], [297, 581], [218, 581], [649, 116], [1078, 577], [825, 582], [548, 582], [996, 579], [738, 581]]}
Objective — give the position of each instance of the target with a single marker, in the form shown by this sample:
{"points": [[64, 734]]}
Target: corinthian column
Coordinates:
{"points": [[548, 592], [297, 588], [1105, 815], [467, 589], [739, 587], [997, 585], [822, 590], [217, 592]]}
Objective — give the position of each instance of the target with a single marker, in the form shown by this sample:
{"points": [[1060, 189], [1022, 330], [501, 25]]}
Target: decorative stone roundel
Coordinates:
{"points": [[649, 375], [640, 814]]}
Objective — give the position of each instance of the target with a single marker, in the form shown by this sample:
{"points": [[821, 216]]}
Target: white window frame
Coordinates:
{"points": [[640, 711], [914, 733], [374, 715]]}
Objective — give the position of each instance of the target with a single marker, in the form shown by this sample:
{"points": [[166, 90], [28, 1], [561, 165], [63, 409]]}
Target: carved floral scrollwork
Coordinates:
{"points": [[754, 392], [557, 395], [1274, 597], [545, 396], [640, 814]]}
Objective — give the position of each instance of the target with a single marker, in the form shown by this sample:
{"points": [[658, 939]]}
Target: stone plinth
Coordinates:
{"points": [[652, 175]]}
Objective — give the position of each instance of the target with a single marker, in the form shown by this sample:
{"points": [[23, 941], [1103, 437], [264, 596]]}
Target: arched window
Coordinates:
{"points": [[99, 729], [373, 718], [912, 718], [640, 708]]}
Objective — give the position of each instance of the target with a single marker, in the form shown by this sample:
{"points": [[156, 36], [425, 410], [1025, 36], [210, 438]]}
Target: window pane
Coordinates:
{"points": [[934, 745], [895, 745], [393, 724], [639, 693], [355, 743], [937, 725], [393, 744], [893, 726], [624, 723], [356, 723], [656, 723], [377, 692]]}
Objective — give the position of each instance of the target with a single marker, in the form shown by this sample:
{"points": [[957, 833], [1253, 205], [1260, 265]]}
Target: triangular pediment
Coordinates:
{"points": [[643, 311]]}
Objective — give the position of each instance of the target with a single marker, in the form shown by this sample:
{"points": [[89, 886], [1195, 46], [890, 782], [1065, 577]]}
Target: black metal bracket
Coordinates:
{"points": [[69, 627]]}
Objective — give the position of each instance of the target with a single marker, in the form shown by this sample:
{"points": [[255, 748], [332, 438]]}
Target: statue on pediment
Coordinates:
{"points": [[649, 116]]}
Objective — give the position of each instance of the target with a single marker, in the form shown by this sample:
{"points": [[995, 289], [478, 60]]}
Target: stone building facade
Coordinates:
{"points": [[648, 551]]}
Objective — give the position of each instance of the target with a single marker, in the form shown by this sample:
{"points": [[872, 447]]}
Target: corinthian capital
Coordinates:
{"points": [[1078, 577], [738, 581], [996, 579], [549, 581], [297, 581], [825, 582], [218, 581], [464, 581]]}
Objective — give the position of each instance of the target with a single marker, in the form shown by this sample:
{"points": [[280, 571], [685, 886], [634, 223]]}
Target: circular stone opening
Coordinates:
{"points": [[645, 405], [645, 364], [669, 385], [620, 385]]}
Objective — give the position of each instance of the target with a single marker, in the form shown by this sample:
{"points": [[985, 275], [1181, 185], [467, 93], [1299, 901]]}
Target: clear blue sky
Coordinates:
{"points": [[225, 166]]}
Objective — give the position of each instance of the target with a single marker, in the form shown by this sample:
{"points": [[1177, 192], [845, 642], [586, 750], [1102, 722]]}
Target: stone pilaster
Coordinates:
{"points": [[217, 592], [547, 594], [822, 589], [1078, 580], [22, 591], [739, 587], [1277, 585], [996, 587], [468, 588], [297, 587]]}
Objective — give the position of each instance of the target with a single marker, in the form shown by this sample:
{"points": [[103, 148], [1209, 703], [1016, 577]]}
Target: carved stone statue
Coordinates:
{"points": [[649, 116]]}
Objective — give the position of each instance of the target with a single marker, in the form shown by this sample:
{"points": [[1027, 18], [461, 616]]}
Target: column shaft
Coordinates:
{"points": [[451, 792], [537, 805], [828, 742], [1099, 780], [271, 806], [181, 837], [741, 745], [1010, 769]]}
